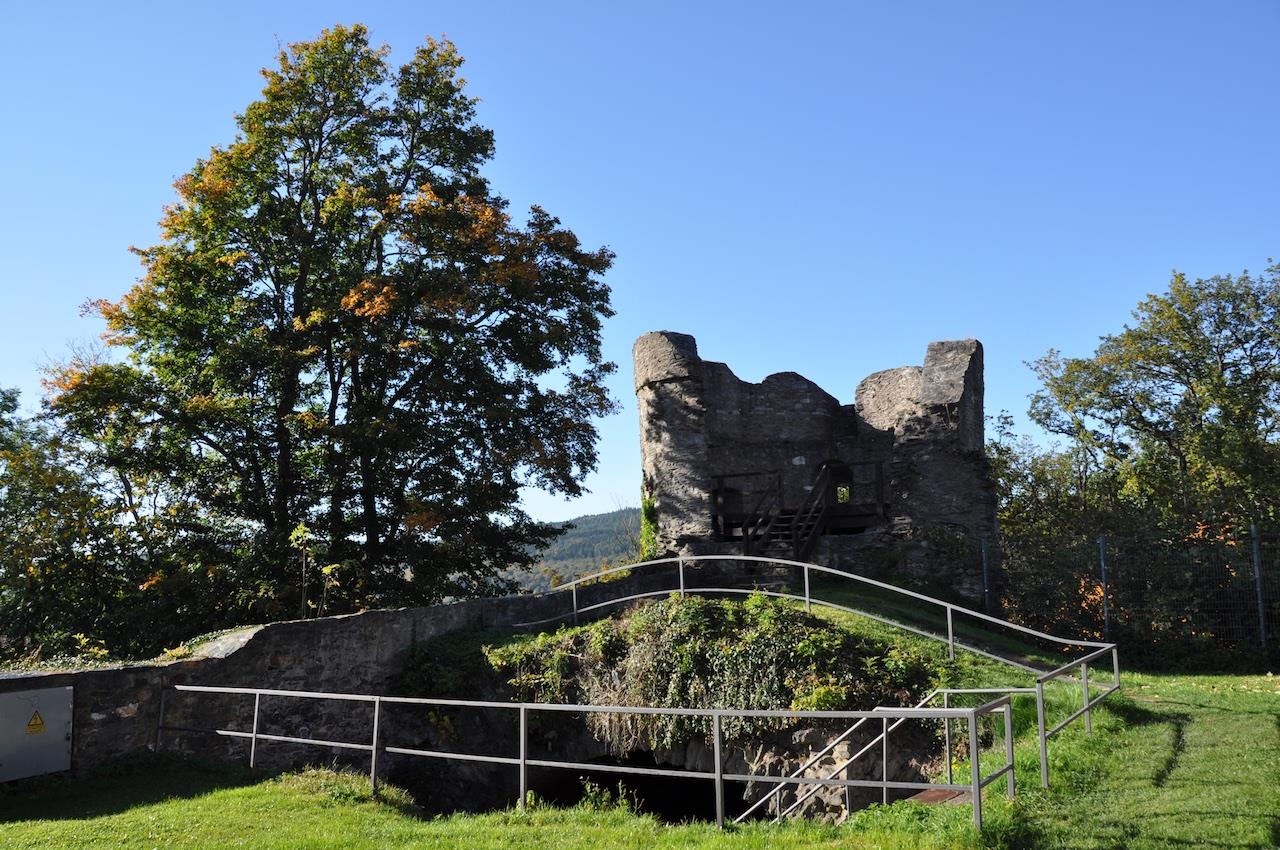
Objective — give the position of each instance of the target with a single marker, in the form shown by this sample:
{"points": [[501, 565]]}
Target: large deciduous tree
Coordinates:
{"points": [[342, 327], [1181, 408]]}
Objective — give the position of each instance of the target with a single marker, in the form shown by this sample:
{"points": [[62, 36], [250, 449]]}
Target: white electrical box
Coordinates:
{"points": [[35, 732]]}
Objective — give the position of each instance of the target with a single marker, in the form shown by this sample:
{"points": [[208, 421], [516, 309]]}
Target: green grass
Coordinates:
{"points": [[1175, 762], [1179, 761], [182, 805], [931, 618]]}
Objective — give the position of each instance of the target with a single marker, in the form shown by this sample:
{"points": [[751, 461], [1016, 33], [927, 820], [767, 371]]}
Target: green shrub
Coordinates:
{"points": [[696, 652], [648, 529]]}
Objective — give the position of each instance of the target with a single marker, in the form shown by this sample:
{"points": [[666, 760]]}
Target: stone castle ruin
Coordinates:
{"points": [[783, 468]]}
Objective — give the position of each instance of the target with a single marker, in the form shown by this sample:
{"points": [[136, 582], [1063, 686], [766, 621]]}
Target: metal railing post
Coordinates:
{"points": [[524, 755], [884, 761], [1008, 743], [1044, 741], [975, 770], [946, 725], [715, 725], [848, 791], [1257, 583], [1084, 682], [373, 753], [680, 564], [951, 636], [808, 601], [575, 605], [253, 740]]}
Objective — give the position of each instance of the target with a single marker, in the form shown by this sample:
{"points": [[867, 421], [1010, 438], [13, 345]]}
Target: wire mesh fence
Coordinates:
{"points": [[1149, 591]]}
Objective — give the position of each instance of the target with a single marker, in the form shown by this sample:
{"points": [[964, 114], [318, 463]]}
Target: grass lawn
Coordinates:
{"points": [[1173, 762], [180, 804], [1176, 762], [1180, 761]]}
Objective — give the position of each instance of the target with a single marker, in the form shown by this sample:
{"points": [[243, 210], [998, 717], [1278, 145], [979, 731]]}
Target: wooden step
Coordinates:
{"points": [[942, 797]]}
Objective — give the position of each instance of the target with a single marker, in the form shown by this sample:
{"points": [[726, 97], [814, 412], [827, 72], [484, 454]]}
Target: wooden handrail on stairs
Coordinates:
{"points": [[811, 520], [762, 518]]}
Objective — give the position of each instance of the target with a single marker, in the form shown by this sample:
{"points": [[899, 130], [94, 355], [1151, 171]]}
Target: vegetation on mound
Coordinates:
{"points": [[694, 652]]}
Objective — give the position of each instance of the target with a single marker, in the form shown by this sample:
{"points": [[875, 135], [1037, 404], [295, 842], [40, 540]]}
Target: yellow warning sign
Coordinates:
{"points": [[36, 724]]}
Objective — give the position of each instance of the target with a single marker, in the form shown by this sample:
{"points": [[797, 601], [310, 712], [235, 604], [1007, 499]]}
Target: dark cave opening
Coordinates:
{"points": [[671, 799]]}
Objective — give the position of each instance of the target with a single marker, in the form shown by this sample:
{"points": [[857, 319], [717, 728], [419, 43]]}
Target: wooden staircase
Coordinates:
{"points": [[754, 514]]}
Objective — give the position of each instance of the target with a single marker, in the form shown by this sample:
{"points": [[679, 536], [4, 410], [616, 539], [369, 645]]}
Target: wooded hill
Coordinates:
{"points": [[592, 542]]}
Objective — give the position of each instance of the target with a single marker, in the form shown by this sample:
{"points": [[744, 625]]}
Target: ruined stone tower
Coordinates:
{"points": [[781, 466]]}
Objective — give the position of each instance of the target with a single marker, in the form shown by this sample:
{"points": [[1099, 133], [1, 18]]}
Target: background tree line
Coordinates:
{"points": [[1168, 446]]}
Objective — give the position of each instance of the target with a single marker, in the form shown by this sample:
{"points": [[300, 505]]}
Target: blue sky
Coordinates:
{"points": [[820, 188]]}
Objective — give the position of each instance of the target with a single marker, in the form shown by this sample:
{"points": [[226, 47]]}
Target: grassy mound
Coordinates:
{"points": [[693, 652]]}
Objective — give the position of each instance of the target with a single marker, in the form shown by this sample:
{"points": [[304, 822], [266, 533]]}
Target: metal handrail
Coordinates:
{"points": [[902, 591], [1086, 709], [1055, 673], [879, 738], [835, 742], [882, 740], [523, 761], [1099, 649]]}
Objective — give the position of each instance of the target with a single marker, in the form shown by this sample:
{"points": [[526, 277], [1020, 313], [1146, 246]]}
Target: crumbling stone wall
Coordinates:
{"points": [[923, 424], [116, 710]]}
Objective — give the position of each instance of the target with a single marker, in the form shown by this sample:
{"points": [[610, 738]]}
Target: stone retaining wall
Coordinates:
{"points": [[117, 710]]}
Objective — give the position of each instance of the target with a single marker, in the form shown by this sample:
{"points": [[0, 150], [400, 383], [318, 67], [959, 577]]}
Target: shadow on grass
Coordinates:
{"points": [[119, 785], [1134, 714], [1211, 708], [146, 779], [1176, 748]]}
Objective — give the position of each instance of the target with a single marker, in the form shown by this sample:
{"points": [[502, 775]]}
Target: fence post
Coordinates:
{"points": [[975, 770], [946, 725], [1008, 743], [373, 753], [1084, 682], [951, 636], [1044, 742], [884, 760], [1106, 587], [575, 605], [715, 725], [808, 604], [986, 576], [848, 791], [253, 739], [680, 565], [524, 755], [1257, 583]]}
